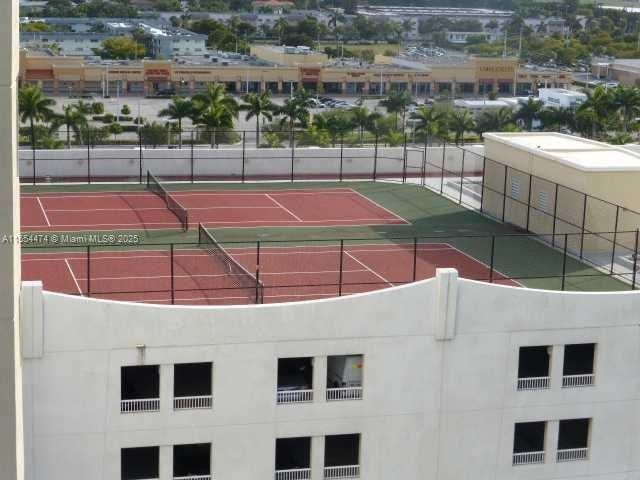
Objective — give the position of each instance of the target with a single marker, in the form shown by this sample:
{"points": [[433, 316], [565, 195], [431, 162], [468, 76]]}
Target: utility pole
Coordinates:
{"points": [[504, 51], [520, 44]]}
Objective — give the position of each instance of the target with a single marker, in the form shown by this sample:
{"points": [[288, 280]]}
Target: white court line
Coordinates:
{"points": [[75, 280], [284, 208], [43, 211], [367, 267], [380, 206], [136, 209]]}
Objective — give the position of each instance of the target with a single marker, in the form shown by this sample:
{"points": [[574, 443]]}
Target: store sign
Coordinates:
{"points": [[310, 73], [157, 74]]}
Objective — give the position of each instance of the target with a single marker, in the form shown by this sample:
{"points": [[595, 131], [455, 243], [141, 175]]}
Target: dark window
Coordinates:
{"points": [[295, 373], [578, 359], [342, 450], [194, 459], [139, 463], [529, 437], [573, 433], [293, 453], [533, 362], [191, 379], [140, 382]]}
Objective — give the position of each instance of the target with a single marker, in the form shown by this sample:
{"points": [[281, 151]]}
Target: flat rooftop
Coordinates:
{"points": [[579, 153]]}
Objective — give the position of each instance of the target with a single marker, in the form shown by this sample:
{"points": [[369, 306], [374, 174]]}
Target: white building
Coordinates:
{"points": [[561, 98], [457, 379]]}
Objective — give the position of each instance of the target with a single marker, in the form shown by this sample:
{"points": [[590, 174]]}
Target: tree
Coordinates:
{"points": [[115, 129], [597, 111], [214, 109], [121, 48], [336, 123], [627, 100], [361, 118], [34, 107], [154, 134], [429, 122], [97, 108], [460, 121], [178, 110], [257, 105], [495, 120], [529, 112], [296, 109], [125, 110], [396, 102], [73, 119]]}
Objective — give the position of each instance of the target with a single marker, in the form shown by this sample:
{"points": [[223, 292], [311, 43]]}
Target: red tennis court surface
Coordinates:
{"points": [[82, 211], [287, 273]]}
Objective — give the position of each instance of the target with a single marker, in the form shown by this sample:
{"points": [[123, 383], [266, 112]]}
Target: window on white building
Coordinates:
{"points": [[528, 443], [192, 461], [140, 388], [295, 380], [293, 458], [578, 366], [344, 377], [573, 440], [192, 384], [140, 463], [533, 367]]}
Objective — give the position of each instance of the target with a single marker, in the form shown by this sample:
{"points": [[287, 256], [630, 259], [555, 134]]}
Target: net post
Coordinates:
{"points": [[140, 153], [258, 299], [615, 239], [244, 143], [293, 150], [375, 158], [635, 261], [341, 154], [461, 176], [584, 220], [491, 262], [415, 257], [564, 260], [88, 270], [192, 159], [173, 287], [258, 252], [341, 267]]}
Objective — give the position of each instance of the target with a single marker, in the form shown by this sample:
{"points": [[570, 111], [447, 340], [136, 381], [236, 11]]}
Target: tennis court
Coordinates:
{"points": [[194, 275], [132, 210]]}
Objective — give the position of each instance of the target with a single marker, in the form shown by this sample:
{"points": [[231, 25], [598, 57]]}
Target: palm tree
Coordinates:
{"points": [[429, 122], [496, 120], [178, 110], [214, 109], [295, 109], [529, 112], [336, 123], [34, 107], [598, 109], [257, 105], [461, 121], [361, 120], [396, 102], [73, 119], [628, 102], [280, 27]]}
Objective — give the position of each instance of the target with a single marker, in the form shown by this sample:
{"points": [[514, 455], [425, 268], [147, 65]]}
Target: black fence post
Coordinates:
{"points": [[491, 262], [258, 252], [404, 159], [340, 269], [484, 166], [140, 154], [555, 216], [88, 156], [375, 158], [444, 148], [504, 194], [564, 260], [88, 270], [341, 155], [584, 221], [293, 149], [461, 176], [173, 285], [415, 257], [423, 171], [529, 202], [244, 144], [192, 165], [635, 261], [615, 238], [34, 165]]}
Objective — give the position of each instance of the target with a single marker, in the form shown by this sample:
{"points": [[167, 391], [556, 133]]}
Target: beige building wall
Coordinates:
{"points": [[11, 431]]}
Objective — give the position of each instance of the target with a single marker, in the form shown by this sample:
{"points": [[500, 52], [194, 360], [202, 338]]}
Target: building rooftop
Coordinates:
{"points": [[575, 152], [385, 10]]}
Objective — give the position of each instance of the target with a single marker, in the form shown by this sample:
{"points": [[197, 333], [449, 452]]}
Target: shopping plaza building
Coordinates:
{"points": [[281, 72]]}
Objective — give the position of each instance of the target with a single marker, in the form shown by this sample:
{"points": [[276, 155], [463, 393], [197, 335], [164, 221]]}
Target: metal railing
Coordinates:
{"points": [[192, 402], [534, 383], [572, 454], [294, 396], [194, 477], [528, 458], [293, 474], [140, 405], [342, 471], [574, 381], [344, 393]]}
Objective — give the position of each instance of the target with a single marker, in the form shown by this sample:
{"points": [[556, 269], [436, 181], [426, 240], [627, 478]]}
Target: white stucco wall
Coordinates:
{"points": [[440, 369]]}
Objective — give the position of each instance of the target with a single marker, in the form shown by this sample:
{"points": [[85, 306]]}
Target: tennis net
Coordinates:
{"points": [[172, 204], [239, 275]]}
